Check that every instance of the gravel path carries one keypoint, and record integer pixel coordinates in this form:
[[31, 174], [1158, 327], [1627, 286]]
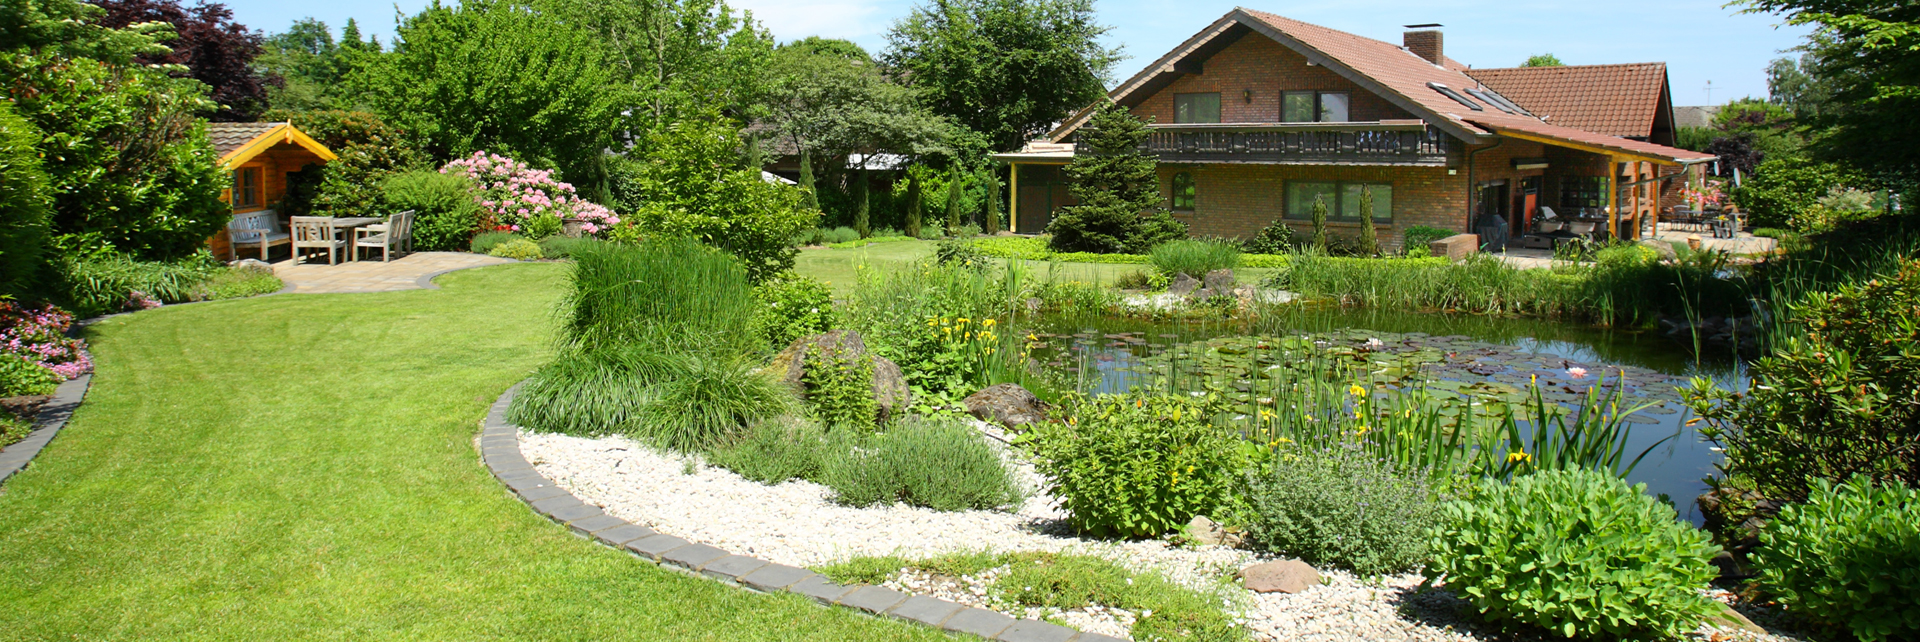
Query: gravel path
[[797, 523]]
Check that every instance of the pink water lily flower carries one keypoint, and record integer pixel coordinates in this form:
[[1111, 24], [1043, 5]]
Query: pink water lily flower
[[1577, 372]]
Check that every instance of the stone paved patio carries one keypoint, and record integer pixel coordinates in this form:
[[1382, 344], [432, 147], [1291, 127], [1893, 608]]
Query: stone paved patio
[[405, 273]]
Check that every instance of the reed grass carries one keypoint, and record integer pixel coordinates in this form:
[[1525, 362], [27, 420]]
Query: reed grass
[[664, 292], [1194, 257]]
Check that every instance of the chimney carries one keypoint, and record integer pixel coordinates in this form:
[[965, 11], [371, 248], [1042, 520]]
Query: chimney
[[1424, 41]]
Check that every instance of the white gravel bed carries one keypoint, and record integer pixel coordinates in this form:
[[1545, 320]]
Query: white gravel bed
[[797, 523]]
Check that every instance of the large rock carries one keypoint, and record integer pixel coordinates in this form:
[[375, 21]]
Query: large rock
[[889, 385], [1285, 576], [1662, 248], [1182, 285], [1007, 404], [1220, 281], [1207, 532]]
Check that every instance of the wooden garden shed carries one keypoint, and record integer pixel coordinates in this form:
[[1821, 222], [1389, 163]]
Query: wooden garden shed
[[260, 155]]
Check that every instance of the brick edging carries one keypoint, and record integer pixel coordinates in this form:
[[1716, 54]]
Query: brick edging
[[52, 417], [500, 448]]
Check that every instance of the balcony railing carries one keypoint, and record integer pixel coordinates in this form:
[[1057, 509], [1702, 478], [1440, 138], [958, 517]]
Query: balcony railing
[[1389, 143]]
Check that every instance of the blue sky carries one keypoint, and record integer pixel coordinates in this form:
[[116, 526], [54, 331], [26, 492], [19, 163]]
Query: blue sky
[[1699, 40]]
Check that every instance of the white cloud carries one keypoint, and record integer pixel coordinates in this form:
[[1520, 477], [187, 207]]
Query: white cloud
[[862, 21]]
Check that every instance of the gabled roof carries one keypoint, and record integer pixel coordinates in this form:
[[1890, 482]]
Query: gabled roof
[[1617, 100], [1386, 69], [238, 143]]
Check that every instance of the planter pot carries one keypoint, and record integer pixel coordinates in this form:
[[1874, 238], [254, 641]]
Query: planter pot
[[570, 227]]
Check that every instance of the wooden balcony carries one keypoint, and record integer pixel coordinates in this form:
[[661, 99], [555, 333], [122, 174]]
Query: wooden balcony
[[1383, 143]]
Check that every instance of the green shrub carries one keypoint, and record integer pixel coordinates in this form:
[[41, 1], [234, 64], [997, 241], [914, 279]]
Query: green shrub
[[943, 464], [1194, 257], [1785, 192], [21, 377], [840, 388], [1275, 238], [25, 203], [672, 293], [13, 429], [517, 249], [445, 218], [694, 184], [237, 282], [1579, 553], [708, 403], [960, 253], [1341, 507], [564, 247], [1850, 557], [484, 242], [877, 238], [1422, 236], [774, 451], [794, 306], [593, 393], [1014, 247], [1834, 402], [1137, 467], [106, 284], [1769, 232], [842, 234], [937, 322]]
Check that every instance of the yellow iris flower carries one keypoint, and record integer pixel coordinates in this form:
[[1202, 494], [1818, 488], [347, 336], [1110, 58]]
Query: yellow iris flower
[[1356, 390]]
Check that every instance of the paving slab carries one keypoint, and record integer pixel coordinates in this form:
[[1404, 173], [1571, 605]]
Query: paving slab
[[652, 547], [1036, 631], [873, 599], [594, 523], [731, 567], [925, 610], [410, 272], [693, 556], [978, 621], [820, 588], [774, 577], [618, 536]]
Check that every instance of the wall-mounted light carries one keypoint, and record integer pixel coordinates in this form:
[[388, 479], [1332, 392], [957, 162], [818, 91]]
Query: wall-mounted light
[[1247, 94]]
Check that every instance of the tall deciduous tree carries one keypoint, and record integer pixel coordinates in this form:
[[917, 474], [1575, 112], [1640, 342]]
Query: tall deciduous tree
[[215, 50], [313, 68], [677, 59], [1869, 53], [1543, 60], [503, 77], [126, 156], [1008, 69], [1119, 191]]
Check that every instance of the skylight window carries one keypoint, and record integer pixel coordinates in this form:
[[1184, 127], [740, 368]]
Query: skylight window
[[1450, 93], [1503, 100], [1488, 100]]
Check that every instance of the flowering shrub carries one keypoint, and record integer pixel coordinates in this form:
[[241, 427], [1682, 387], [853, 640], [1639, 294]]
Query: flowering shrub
[[1137, 467], [40, 337], [796, 306], [513, 196]]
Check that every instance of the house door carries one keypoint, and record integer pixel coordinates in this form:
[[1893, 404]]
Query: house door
[[1493, 202], [1528, 203]]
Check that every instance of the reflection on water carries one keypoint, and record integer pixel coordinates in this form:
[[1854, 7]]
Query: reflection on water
[[1109, 351]]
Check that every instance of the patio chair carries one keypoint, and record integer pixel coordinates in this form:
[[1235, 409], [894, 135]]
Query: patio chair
[[255, 228], [1582, 229], [386, 236], [315, 232]]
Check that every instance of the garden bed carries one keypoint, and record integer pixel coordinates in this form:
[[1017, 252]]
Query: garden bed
[[797, 523]]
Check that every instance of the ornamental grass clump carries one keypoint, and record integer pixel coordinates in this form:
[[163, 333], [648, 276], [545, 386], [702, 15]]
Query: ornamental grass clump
[[938, 463], [1194, 257], [1137, 467], [1848, 557], [1342, 507], [1577, 552], [672, 293]]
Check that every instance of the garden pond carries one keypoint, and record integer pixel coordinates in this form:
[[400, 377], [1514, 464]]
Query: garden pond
[[1447, 355]]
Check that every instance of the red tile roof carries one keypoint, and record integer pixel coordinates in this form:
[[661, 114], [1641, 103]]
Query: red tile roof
[[1397, 75], [1617, 100]]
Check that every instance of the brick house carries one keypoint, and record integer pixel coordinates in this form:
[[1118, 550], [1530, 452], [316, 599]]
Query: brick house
[[1257, 116]]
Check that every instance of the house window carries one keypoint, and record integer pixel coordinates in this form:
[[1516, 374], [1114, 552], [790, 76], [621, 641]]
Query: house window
[[1342, 199], [247, 190], [1196, 108], [1183, 191], [1577, 192], [1314, 106]]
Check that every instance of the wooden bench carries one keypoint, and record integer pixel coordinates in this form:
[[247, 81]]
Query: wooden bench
[[260, 228]]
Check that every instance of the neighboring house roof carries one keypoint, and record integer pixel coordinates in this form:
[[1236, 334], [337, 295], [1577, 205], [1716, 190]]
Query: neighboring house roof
[[1616, 100], [1695, 116], [238, 143], [1387, 69]]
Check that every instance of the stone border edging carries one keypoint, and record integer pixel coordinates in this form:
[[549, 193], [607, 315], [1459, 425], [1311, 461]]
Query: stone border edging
[[51, 418], [500, 448]]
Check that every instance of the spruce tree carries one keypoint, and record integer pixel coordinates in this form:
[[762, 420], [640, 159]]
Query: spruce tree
[[914, 206], [860, 223], [1119, 191], [1369, 238], [953, 199], [1320, 223], [806, 179]]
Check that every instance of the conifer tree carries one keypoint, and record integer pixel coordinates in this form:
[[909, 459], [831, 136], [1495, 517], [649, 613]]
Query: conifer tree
[[806, 179], [914, 206], [953, 199], [859, 189], [1119, 191], [1320, 223], [992, 224], [1369, 238]]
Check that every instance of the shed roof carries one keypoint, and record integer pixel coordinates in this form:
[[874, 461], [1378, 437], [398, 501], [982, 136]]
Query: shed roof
[[238, 143]]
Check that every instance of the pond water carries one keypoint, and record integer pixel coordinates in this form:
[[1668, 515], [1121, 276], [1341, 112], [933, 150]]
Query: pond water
[[1456, 354]]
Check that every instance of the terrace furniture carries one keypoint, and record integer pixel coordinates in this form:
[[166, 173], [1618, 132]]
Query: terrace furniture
[[315, 232], [386, 236], [260, 227], [1726, 226]]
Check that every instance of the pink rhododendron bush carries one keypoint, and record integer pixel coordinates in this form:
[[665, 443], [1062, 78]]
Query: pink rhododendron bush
[[39, 335], [513, 196]]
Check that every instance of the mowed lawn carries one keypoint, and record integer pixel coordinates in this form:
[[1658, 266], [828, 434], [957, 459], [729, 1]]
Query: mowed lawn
[[303, 467], [838, 267]]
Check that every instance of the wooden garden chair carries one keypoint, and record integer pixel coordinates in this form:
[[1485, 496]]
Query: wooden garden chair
[[315, 232]]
